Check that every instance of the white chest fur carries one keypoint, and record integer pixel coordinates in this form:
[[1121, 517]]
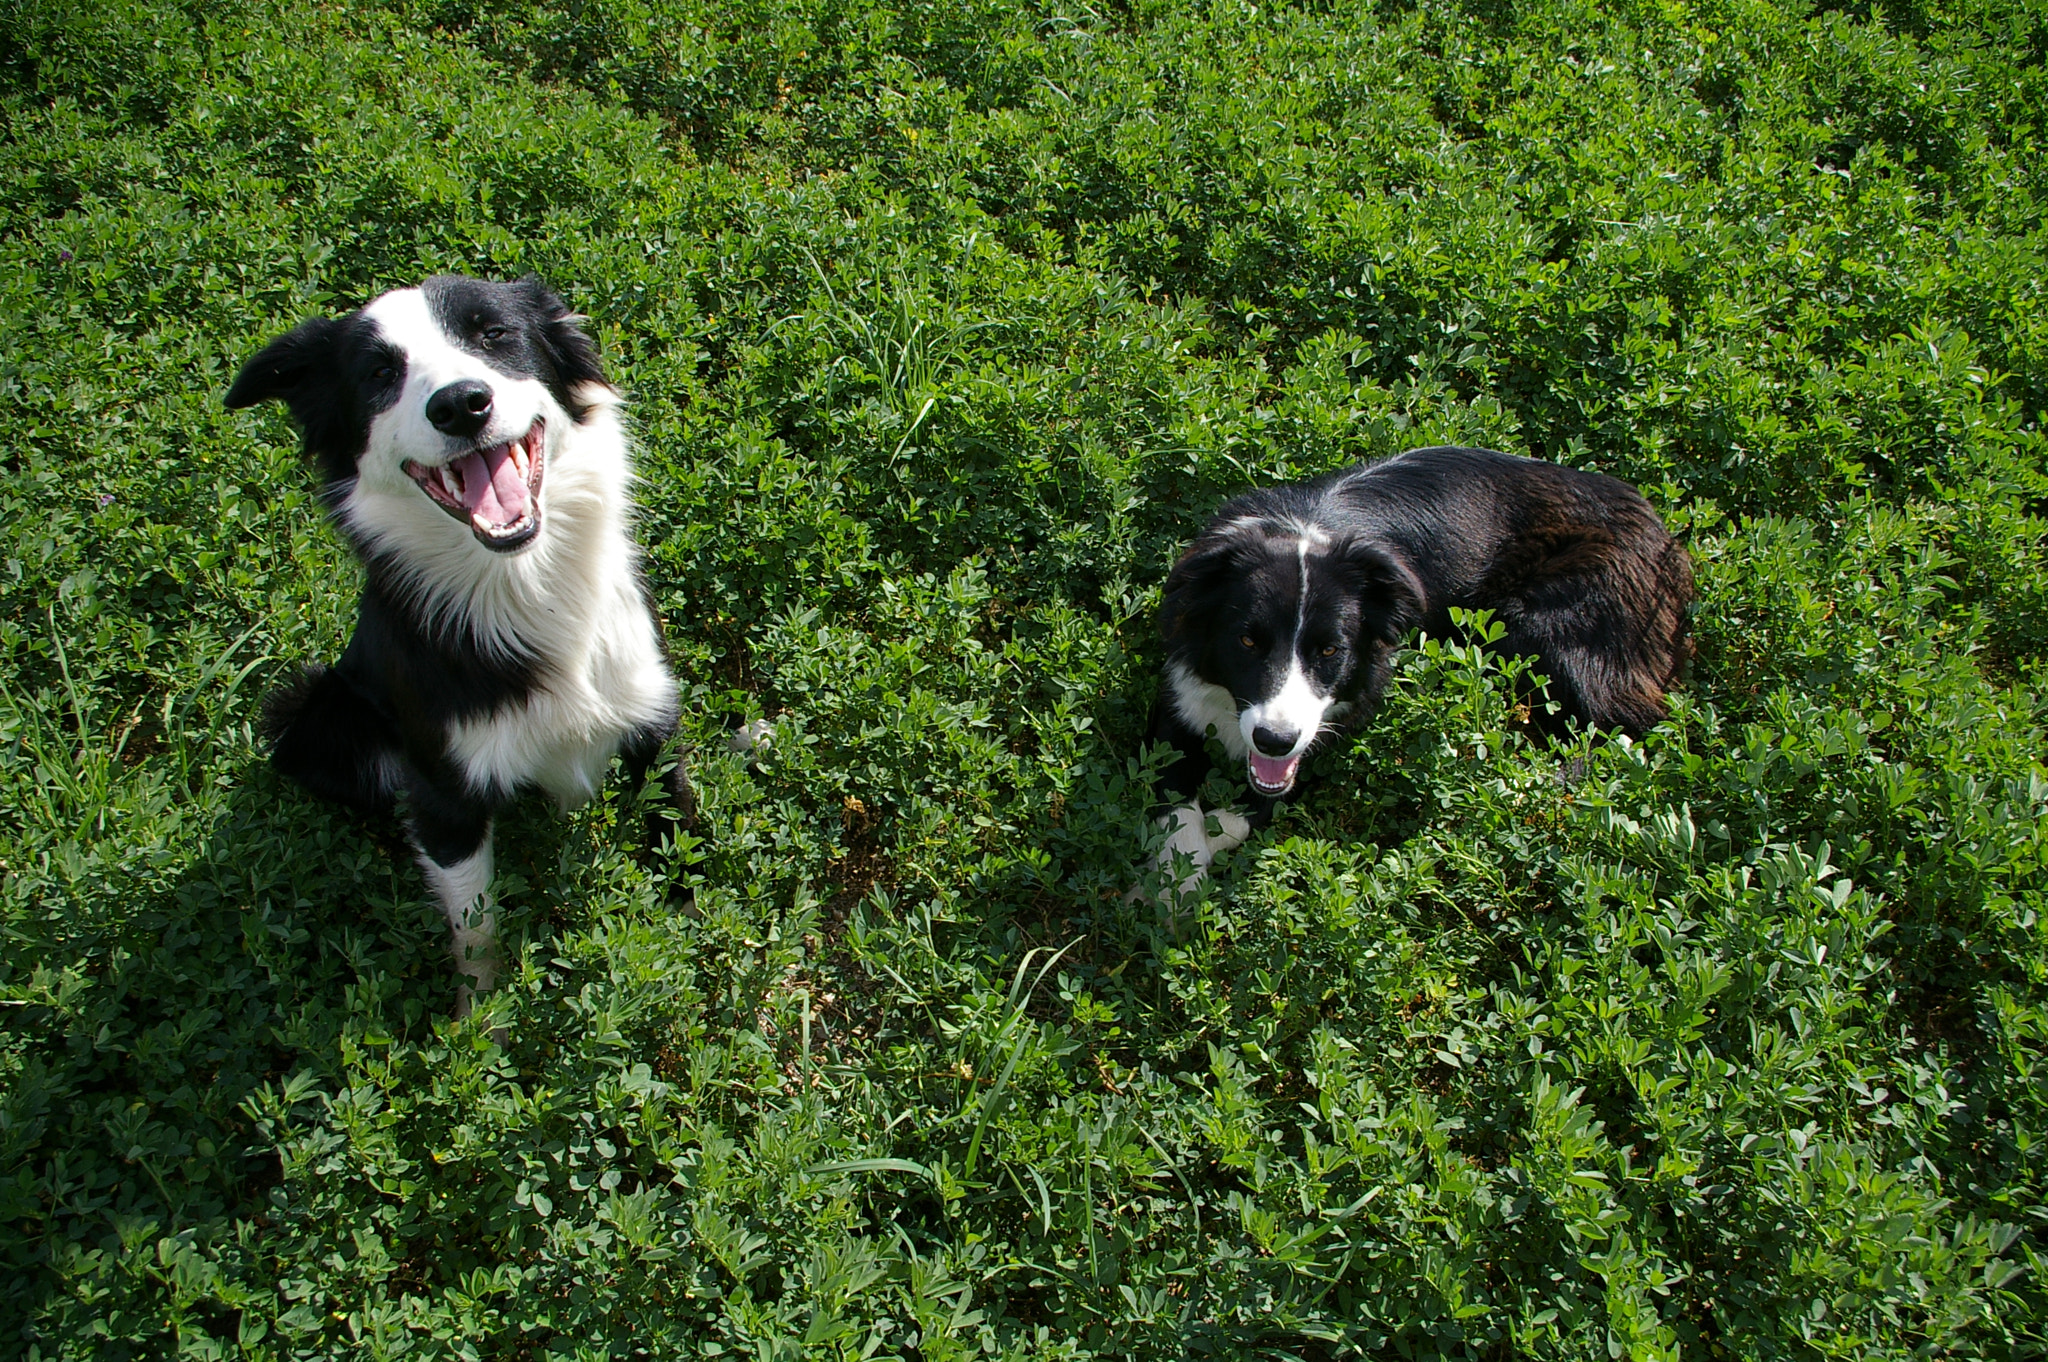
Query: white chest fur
[[564, 734], [1203, 706]]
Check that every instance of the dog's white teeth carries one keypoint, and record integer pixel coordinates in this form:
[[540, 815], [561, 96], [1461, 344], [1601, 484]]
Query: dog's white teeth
[[451, 481], [486, 528]]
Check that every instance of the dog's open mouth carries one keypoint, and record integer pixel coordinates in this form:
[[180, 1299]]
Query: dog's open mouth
[[1273, 776], [494, 491]]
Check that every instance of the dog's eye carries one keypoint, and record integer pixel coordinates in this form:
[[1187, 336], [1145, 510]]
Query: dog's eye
[[383, 373], [493, 334], [1329, 650], [1248, 641]]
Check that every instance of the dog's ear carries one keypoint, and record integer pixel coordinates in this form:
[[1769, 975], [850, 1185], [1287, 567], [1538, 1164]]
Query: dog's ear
[[569, 347], [287, 367], [1204, 568], [1390, 594]]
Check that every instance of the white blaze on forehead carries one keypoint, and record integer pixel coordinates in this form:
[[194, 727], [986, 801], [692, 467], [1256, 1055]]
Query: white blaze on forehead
[[1308, 537], [404, 318], [1296, 707]]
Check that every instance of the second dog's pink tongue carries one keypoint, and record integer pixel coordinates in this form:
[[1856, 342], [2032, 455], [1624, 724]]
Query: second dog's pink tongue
[[1274, 771], [491, 486]]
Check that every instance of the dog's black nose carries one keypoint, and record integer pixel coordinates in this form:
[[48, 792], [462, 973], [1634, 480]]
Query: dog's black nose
[[462, 408], [1272, 742]]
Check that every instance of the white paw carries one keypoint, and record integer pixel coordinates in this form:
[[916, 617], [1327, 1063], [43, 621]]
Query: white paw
[[1231, 830], [755, 736], [1201, 838], [475, 946]]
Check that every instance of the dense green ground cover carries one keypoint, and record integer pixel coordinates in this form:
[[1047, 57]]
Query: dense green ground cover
[[943, 324]]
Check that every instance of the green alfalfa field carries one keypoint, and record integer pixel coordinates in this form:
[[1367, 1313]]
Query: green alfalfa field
[[943, 324]]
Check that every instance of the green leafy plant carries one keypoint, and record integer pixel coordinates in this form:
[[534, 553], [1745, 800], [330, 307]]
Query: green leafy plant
[[942, 327]]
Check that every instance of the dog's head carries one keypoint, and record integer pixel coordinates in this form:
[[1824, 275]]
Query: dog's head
[[434, 411], [1271, 627]]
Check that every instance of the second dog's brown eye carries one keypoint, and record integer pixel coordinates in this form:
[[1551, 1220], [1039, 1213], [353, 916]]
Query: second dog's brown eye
[[1248, 641], [1329, 650]]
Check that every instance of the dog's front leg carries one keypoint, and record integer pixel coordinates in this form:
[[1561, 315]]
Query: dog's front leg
[[1188, 837], [452, 835], [639, 752]]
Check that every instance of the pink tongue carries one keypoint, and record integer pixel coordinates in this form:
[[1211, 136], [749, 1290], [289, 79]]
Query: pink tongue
[[492, 487], [1273, 772]]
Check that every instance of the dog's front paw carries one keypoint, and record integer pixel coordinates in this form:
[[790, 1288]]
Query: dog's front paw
[[754, 737], [1232, 828], [475, 946], [1200, 837], [476, 965]]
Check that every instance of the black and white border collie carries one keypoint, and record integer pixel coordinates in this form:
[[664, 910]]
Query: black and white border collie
[[474, 459], [1281, 621]]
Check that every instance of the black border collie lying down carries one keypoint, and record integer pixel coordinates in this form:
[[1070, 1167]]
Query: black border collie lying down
[[1281, 621], [475, 461]]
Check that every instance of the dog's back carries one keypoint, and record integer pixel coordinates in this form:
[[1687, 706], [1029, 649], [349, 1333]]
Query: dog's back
[[1577, 565]]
